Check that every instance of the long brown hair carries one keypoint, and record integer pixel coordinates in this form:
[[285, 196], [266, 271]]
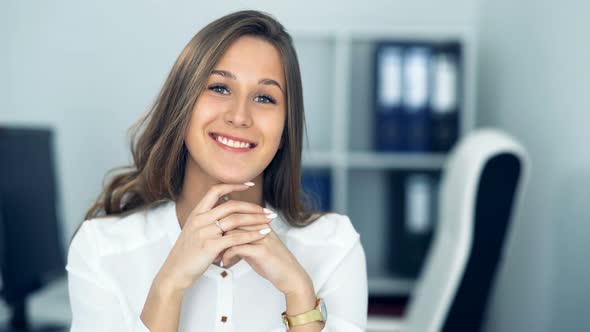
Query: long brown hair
[[157, 140]]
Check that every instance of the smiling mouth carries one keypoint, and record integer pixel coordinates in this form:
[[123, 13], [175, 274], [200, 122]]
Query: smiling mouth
[[228, 143]]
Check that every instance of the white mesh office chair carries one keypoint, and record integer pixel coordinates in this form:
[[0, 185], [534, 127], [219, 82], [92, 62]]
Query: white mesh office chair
[[481, 186]]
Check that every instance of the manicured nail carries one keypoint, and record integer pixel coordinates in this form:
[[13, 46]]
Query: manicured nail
[[268, 211], [249, 184], [271, 216], [264, 231]]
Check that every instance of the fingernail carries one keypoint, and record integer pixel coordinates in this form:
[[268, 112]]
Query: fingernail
[[271, 216], [249, 184], [264, 231], [221, 263], [268, 211]]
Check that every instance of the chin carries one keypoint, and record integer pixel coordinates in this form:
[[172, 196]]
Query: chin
[[234, 178]]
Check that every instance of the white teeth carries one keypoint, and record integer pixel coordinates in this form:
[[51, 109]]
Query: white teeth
[[232, 143]]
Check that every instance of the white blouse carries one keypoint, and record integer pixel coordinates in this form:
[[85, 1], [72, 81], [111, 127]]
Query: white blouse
[[112, 262]]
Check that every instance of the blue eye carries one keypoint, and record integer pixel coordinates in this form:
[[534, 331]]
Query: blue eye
[[269, 98], [219, 89]]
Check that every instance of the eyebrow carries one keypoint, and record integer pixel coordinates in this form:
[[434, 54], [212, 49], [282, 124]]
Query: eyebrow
[[266, 81]]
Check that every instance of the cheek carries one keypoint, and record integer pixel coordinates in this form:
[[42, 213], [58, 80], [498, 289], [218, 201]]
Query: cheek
[[275, 132], [274, 128], [205, 107], [202, 112]]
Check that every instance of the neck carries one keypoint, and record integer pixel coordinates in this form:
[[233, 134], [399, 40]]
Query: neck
[[197, 183]]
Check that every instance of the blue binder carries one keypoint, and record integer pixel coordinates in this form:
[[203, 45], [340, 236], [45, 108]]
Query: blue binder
[[317, 184], [389, 130], [415, 98]]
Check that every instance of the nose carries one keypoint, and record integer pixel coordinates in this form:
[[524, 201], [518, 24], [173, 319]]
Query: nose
[[238, 115]]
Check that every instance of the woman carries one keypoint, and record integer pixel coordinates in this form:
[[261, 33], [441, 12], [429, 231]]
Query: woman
[[186, 239]]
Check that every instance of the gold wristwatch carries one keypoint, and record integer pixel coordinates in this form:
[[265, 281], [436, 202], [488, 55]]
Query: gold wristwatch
[[319, 313]]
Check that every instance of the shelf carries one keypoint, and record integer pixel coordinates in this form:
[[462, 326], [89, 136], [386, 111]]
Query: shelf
[[398, 31], [374, 160], [337, 66], [391, 286], [384, 323], [318, 159], [395, 160]]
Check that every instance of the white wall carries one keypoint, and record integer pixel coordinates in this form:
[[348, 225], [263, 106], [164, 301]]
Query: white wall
[[534, 79]]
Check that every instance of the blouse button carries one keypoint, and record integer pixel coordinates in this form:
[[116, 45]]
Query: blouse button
[[224, 274], [224, 319]]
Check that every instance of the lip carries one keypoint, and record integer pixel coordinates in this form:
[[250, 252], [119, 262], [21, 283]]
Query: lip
[[229, 148]]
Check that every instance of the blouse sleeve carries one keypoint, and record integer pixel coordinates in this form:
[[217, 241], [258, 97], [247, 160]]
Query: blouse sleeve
[[346, 294], [95, 305]]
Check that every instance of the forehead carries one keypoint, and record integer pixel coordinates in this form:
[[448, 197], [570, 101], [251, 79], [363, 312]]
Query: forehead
[[250, 57]]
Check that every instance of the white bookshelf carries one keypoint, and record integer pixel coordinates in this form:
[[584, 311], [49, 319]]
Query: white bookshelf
[[336, 66]]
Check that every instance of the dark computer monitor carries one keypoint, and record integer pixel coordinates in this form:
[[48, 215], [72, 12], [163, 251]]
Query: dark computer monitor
[[31, 251]]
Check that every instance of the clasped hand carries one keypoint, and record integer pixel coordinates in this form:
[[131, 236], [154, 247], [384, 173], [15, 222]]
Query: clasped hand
[[201, 242]]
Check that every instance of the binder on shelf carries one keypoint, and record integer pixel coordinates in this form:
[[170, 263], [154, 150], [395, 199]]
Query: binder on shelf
[[415, 94], [414, 217], [389, 135], [317, 184], [445, 97], [418, 218]]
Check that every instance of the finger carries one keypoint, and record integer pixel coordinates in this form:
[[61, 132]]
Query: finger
[[245, 219], [232, 207], [245, 229], [214, 194], [241, 251], [210, 231], [231, 240]]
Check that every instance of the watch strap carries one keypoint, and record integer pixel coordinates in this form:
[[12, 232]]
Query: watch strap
[[304, 318]]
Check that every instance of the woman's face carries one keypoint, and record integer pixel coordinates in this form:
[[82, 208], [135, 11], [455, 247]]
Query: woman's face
[[244, 99]]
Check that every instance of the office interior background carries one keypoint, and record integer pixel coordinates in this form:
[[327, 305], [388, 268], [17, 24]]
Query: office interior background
[[91, 69]]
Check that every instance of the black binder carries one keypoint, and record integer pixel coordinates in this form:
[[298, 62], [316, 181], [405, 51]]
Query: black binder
[[414, 215], [446, 96]]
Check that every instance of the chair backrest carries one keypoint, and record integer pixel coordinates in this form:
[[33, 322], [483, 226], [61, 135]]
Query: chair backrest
[[481, 182]]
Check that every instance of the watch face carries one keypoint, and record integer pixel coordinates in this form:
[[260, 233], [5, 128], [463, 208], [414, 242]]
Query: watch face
[[323, 309]]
